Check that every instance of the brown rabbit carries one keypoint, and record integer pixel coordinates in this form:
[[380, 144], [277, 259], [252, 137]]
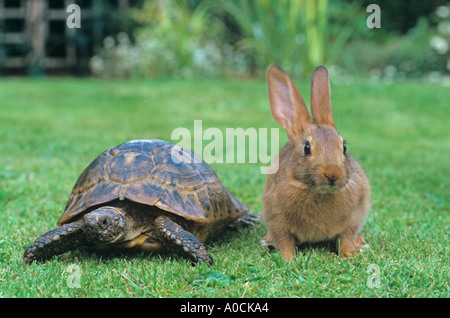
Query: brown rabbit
[[319, 192]]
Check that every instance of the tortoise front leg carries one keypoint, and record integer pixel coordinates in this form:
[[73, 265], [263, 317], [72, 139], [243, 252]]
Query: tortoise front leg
[[171, 234], [54, 242]]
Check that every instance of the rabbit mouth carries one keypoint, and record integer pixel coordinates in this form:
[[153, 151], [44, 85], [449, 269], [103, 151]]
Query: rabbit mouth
[[330, 179], [329, 189], [329, 186]]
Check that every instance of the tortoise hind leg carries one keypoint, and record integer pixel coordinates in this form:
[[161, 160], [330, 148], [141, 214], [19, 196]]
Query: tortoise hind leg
[[54, 242], [248, 219], [173, 235]]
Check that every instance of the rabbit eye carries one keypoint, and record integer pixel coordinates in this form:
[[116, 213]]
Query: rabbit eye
[[307, 148], [345, 148]]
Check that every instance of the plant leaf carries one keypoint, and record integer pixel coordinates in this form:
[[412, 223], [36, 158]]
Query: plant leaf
[[212, 278]]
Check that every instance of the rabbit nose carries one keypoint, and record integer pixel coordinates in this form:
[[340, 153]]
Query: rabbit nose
[[331, 179], [332, 173]]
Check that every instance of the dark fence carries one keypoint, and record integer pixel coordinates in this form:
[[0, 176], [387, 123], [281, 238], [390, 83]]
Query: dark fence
[[53, 36]]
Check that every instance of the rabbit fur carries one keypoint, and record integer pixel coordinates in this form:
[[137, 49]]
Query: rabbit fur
[[319, 192]]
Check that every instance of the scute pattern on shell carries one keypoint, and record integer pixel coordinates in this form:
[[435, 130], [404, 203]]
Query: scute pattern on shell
[[152, 172]]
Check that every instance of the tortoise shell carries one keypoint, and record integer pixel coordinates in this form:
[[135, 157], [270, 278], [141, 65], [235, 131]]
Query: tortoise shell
[[153, 172]]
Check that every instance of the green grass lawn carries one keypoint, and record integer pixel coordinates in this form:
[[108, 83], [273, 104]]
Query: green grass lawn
[[51, 129]]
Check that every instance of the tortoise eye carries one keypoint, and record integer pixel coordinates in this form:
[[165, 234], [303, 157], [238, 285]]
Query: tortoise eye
[[307, 148]]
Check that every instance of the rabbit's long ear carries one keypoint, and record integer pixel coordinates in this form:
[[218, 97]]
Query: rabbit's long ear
[[286, 104], [321, 97]]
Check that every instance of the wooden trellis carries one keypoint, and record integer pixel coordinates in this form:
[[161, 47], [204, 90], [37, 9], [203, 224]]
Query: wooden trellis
[[34, 34]]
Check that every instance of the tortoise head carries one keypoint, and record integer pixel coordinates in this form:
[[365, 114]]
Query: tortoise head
[[105, 225]]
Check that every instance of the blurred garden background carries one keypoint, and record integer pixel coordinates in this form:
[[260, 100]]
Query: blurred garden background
[[220, 38], [139, 69]]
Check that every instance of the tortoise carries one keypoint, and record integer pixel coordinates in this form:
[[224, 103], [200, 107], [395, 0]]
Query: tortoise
[[148, 195]]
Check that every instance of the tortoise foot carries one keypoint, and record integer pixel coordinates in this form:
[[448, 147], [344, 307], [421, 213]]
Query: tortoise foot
[[175, 237], [54, 242], [248, 219]]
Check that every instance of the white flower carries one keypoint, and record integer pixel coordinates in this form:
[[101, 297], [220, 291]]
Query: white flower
[[109, 42], [390, 70], [442, 11], [123, 38], [439, 44], [96, 64]]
